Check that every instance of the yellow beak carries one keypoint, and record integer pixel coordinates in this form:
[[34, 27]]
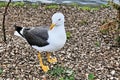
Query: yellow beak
[[52, 26]]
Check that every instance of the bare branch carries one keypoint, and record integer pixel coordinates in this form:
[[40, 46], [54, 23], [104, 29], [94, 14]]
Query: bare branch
[[3, 23]]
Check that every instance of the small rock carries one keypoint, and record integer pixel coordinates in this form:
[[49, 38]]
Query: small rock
[[97, 79], [112, 72]]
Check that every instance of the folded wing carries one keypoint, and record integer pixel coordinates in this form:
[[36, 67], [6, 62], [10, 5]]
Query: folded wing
[[36, 36]]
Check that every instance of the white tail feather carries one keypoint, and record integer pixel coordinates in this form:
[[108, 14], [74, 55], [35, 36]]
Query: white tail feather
[[17, 34]]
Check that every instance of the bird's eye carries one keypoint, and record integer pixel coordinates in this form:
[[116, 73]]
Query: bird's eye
[[59, 19]]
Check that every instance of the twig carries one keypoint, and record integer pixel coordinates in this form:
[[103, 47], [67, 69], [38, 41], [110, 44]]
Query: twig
[[118, 12], [3, 23]]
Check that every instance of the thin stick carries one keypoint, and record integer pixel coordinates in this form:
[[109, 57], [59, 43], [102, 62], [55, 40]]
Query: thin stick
[[3, 23], [118, 12]]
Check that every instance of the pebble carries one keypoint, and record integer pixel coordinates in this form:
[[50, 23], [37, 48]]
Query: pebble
[[112, 72]]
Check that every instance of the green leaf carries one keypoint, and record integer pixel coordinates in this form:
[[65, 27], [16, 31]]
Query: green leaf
[[61, 78], [68, 35], [21, 4], [105, 6], [72, 78], [117, 39], [56, 71], [34, 5], [1, 71], [62, 72], [97, 43], [104, 31], [69, 72], [83, 22], [2, 4], [52, 6], [91, 76]]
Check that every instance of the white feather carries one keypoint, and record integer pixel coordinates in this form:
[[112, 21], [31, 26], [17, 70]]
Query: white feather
[[17, 34]]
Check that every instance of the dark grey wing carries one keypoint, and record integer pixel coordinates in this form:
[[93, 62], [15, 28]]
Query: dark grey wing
[[40, 32], [36, 36]]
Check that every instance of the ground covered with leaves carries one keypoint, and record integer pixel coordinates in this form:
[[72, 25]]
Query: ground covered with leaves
[[87, 55]]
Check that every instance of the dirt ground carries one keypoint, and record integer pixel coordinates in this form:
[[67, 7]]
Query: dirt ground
[[86, 51]]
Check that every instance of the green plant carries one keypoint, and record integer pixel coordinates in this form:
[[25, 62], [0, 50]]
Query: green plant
[[68, 75], [61, 78], [68, 35], [91, 76], [1, 71], [104, 6], [34, 5], [67, 78], [74, 4], [85, 8], [104, 31], [117, 39], [52, 6], [62, 73], [83, 22], [95, 9], [88, 8], [56, 71], [2, 4], [97, 43], [16, 78], [20, 4]]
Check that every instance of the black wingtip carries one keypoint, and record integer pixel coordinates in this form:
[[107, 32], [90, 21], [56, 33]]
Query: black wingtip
[[17, 28]]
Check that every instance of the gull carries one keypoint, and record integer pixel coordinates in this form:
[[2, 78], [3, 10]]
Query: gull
[[48, 39]]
